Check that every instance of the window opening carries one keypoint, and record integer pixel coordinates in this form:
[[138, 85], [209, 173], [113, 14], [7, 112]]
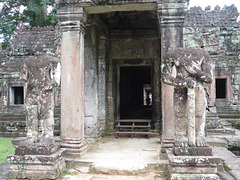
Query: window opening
[[17, 95]]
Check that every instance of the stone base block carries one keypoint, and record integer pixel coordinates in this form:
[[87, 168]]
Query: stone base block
[[192, 151], [36, 149], [37, 166], [194, 177], [166, 144], [74, 149], [193, 167]]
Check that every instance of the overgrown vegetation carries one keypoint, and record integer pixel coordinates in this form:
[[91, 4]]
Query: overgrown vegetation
[[31, 12], [6, 148]]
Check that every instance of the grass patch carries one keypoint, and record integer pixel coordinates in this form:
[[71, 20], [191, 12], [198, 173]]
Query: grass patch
[[6, 148]]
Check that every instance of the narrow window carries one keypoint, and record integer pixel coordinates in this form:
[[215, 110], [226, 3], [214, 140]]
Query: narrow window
[[17, 95], [221, 88], [147, 95]]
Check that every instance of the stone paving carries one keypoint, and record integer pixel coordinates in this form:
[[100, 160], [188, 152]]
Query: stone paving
[[137, 159], [122, 158]]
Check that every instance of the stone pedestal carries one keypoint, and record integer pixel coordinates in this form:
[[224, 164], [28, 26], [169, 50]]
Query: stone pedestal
[[193, 167], [46, 163]]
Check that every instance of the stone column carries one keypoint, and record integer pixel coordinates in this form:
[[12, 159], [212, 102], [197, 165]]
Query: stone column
[[91, 84], [102, 82], [72, 21], [171, 19]]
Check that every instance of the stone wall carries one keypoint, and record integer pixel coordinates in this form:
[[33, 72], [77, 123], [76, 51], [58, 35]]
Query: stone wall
[[39, 40], [218, 32]]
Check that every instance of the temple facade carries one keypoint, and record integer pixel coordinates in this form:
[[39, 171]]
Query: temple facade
[[111, 57]]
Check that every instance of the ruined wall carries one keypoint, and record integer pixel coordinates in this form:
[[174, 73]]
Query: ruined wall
[[94, 87], [215, 31], [218, 32], [39, 40]]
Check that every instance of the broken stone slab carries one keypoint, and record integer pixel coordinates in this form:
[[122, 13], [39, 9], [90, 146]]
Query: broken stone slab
[[192, 151], [37, 166]]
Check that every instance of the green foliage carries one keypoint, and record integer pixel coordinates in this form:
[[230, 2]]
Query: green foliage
[[32, 12], [6, 148]]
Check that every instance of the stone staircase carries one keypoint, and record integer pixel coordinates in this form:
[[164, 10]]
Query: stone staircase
[[228, 113], [14, 125]]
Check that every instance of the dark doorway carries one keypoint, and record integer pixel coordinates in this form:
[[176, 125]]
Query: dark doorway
[[221, 88], [135, 92]]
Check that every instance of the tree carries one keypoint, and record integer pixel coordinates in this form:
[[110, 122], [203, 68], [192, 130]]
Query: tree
[[31, 12]]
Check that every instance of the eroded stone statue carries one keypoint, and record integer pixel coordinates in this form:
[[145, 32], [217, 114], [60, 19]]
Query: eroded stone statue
[[188, 70], [41, 74]]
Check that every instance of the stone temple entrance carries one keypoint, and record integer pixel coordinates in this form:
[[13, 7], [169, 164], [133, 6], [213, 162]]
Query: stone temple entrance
[[135, 92]]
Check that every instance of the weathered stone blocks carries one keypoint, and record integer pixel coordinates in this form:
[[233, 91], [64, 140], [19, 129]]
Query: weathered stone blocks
[[193, 167], [37, 166], [192, 151]]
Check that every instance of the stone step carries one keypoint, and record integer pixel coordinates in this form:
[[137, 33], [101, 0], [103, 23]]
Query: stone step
[[82, 166], [229, 116]]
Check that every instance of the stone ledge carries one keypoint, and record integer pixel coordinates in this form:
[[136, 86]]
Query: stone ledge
[[36, 159], [192, 151], [176, 176], [193, 160], [36, 149]]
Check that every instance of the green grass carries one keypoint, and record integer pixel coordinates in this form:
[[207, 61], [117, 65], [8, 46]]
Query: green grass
[[6, 148]]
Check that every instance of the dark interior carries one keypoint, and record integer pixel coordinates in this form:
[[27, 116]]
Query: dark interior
[[221, 88], [133, 20], [132, 80], [18, 95]]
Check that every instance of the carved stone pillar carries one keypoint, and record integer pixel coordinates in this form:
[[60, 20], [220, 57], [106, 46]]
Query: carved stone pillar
[[72, 21], [171, 17]]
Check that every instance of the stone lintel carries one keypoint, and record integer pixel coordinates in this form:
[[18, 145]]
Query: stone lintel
[[130, 6], [192, 151]]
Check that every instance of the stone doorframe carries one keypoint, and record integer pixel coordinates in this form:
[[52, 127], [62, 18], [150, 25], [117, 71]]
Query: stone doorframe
[[72, 18], [137, 63]]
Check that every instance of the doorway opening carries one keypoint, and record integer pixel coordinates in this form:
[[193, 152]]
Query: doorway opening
[[221, 88], [135, 92]]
